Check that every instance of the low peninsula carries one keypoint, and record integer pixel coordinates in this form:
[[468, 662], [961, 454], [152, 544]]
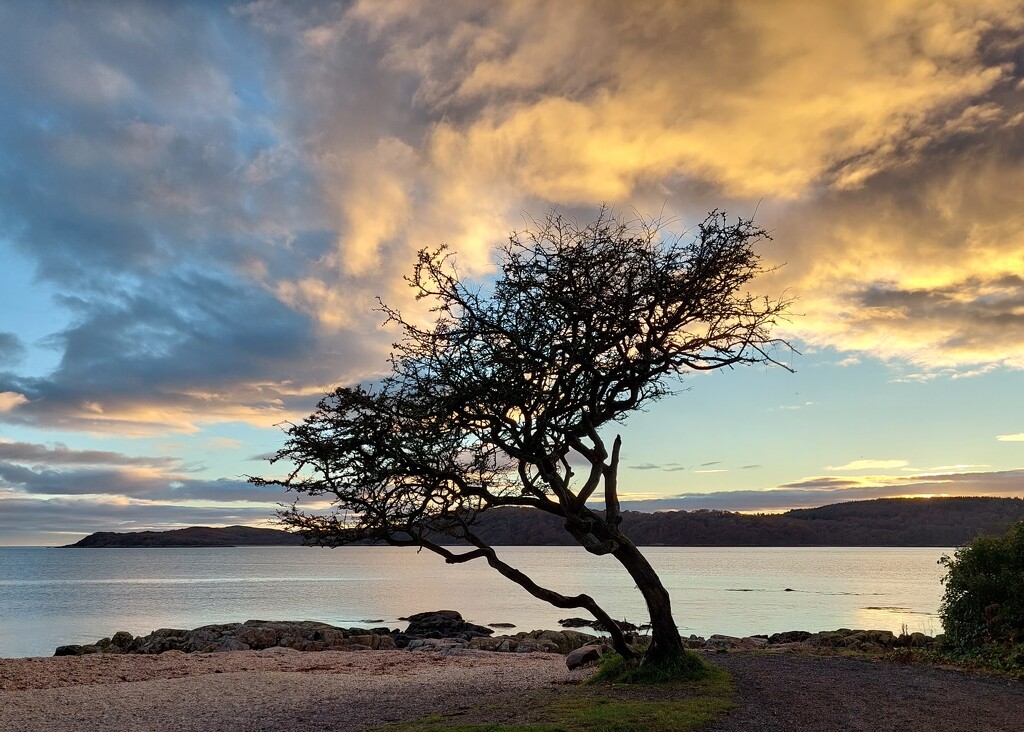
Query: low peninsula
[[194, 536]]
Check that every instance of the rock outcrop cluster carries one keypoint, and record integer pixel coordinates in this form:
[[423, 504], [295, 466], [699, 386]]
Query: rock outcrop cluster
[[251, 635], [868, 641], [443, 630]]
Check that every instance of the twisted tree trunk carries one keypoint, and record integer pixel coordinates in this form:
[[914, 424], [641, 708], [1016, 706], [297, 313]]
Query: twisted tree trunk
[[666, 643]]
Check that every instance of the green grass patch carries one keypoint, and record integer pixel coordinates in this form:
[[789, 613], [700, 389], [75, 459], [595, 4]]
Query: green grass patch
[[672, 706]]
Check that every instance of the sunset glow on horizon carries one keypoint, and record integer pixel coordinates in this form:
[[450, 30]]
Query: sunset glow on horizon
[[201, 202]]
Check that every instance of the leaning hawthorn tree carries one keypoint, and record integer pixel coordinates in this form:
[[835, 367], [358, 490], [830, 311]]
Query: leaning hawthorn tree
[[513, 387]]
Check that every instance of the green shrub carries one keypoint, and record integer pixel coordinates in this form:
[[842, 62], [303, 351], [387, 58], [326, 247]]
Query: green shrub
[[984, 596]]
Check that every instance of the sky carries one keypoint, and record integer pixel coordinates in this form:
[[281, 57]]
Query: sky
[[200, 202]]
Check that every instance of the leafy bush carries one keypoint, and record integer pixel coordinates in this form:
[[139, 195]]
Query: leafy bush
[[984, 597]]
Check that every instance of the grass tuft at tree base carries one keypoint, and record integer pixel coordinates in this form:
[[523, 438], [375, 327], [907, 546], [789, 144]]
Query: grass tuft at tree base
[[617, 670]]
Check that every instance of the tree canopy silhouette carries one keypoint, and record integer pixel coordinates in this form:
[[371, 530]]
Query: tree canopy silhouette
[[506, 397]]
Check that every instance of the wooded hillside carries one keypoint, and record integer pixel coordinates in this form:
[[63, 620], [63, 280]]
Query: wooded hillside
[[881, 522]]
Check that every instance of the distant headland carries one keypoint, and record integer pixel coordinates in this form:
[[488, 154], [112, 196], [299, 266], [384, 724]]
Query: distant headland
[[193, 536], [942, 522]]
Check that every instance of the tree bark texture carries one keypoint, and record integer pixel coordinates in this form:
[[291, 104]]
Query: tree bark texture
[[666, 643]]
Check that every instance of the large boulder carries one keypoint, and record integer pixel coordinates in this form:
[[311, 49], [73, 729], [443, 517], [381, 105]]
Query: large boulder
[[443, 646], [444, 624], [694, 641], [725, 643], [164, 639], [565, 641], [584, 655], [371, 641], [535, 641], [914, 640], [76, 650]]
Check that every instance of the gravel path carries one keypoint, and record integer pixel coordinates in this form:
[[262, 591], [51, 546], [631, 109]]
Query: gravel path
[[785, 692]]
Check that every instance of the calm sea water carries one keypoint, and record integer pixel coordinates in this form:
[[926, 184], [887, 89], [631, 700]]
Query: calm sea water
[[49, 597]]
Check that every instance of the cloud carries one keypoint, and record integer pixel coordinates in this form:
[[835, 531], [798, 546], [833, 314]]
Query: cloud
[[187, 350], [870, 465], [739, 98], [820, 491], [132, 482], [34, 470], [939, 469], [828, 483], [11, 349], [950, 298], [795, 407], [1017, 437], [161, 210], [26, 452], [667, 467], [703, 468], [498, 108], [215, 197], [10, 400]]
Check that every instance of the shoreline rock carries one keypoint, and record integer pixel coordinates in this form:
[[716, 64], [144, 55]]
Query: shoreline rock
[[445, 631], [442, 631], [844, 638]]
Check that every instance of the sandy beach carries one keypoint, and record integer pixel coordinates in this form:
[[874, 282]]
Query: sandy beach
[[260, 690], [285, 690]]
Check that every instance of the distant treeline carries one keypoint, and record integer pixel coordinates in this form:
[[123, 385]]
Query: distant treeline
[[881, 522]]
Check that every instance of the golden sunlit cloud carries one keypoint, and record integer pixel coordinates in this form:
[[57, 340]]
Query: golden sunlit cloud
[[1018, 437], [10, 400], [185, 414], [830, 112]]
